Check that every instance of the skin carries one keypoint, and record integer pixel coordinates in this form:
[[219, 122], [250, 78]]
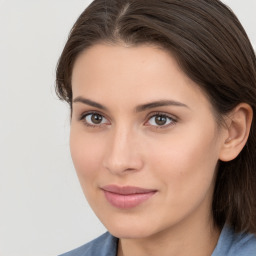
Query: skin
[[128, 148]]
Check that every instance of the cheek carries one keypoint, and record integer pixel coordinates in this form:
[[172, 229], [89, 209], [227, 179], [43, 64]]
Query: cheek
[[185, 164], [87, 153]]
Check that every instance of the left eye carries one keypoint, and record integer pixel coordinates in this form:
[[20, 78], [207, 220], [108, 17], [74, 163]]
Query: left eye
[[95, 119], [160, 120]]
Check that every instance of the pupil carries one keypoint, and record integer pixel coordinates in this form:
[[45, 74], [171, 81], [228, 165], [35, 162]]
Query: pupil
[[161, 120], [96, 119]]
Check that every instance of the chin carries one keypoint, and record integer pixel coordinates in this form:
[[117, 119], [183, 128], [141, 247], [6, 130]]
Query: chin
[[130, 230], [129, 233]]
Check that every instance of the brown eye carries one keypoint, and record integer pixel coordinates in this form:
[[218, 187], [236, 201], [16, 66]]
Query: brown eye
[[95, 119], [160, 120]]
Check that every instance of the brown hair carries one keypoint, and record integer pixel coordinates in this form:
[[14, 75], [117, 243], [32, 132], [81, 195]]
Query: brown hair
[[212, 48]]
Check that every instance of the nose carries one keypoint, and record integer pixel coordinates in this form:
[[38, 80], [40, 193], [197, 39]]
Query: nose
[[124, 153]]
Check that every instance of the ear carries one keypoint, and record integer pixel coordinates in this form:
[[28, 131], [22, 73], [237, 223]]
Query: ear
[[238, 129]]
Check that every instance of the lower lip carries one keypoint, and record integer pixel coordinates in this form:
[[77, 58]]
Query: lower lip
[[127, 201]]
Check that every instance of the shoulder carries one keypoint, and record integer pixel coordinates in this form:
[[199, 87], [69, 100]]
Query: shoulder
[[235, 244], [104, 245]]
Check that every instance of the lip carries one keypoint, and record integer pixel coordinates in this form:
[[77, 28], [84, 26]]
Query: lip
[[128, 196]]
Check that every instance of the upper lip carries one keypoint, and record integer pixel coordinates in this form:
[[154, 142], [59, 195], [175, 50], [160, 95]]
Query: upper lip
[[126, 190]]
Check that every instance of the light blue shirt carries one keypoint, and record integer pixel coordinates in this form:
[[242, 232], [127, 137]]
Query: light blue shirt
[[229, 244], [235, 244]]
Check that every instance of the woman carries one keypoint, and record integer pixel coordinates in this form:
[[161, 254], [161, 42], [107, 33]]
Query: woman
[[162, 95]]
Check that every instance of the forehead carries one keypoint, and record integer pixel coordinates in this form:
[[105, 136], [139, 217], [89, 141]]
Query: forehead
[[143, 73]]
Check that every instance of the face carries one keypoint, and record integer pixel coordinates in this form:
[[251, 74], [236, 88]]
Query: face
[[144, 140]]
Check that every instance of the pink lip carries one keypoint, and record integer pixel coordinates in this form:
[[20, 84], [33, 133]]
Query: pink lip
[[126, 197]]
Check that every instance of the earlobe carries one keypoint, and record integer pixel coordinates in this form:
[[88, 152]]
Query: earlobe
[[239, 124]]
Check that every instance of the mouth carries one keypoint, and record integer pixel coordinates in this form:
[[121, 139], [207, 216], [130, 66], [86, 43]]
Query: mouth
[[128, 196]]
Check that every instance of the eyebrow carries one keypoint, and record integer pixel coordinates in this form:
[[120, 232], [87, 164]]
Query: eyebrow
[[89, 102], [140, 108], [160, 103]]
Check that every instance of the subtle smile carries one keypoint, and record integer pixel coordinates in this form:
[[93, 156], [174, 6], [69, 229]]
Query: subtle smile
[[126, 197]]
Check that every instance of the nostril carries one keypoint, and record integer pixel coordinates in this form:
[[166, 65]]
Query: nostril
[[128, 163]]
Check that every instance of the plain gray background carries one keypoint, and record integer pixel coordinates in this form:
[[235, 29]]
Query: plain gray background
[[42, 209]]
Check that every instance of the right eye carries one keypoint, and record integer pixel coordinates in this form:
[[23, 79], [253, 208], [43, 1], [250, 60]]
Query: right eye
[[94, 119]]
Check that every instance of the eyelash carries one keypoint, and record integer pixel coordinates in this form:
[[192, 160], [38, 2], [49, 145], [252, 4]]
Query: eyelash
[[83, 119], [172, 120]]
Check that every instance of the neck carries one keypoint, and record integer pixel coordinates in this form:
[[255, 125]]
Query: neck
[[199, 238]]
